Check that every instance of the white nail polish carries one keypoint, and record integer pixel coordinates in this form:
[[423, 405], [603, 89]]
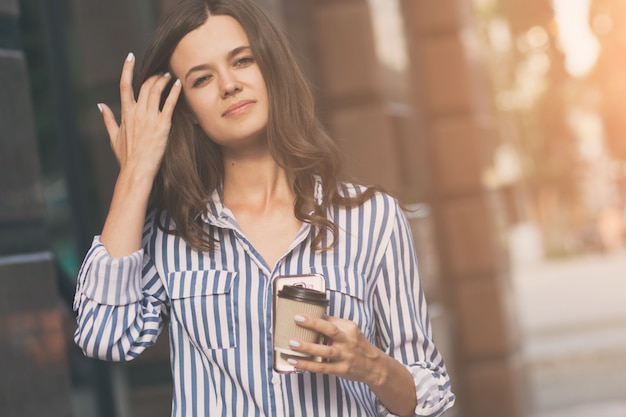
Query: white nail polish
[[291, 361], [177, 82], [298, 318], [130, 56], [167, 74], [294, 343], [100, 107]]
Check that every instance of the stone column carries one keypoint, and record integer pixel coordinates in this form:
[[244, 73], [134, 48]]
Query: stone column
[[34, 371], [449, 88], [351, 98]]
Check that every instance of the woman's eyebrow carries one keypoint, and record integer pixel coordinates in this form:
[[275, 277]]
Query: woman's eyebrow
[[238, 50], [230, 55]]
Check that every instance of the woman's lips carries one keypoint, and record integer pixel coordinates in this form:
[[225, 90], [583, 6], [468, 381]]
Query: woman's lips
[[238, 108]]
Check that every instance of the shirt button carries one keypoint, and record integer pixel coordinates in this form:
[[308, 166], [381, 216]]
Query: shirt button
[[275, 380]]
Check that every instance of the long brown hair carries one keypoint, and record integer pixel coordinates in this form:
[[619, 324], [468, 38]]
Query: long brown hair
[[192, 164]]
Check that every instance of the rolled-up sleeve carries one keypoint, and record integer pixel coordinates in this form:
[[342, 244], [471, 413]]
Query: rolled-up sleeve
[[120, 304], [404, 327]]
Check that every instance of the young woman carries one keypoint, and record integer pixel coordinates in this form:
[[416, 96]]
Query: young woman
[[241, 185]]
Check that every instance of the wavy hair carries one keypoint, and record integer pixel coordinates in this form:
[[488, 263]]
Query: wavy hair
[[192, 165]]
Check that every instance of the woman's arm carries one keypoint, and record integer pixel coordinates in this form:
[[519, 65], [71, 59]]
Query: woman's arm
[[119, 297], [120, 303], [139, 143], [406, 372]]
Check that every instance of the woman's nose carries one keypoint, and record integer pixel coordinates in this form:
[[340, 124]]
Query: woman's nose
[[230, 85]]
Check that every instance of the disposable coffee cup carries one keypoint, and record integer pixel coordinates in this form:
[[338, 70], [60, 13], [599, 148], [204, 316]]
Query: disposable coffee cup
[[290, 301]]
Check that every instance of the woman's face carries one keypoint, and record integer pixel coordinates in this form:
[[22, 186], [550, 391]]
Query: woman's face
[[222, 82]]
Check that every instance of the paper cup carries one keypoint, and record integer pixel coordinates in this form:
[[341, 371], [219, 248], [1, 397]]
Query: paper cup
[[290, 301]]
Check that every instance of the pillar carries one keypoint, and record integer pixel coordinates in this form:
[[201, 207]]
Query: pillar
[[351, 98], [449, 89]]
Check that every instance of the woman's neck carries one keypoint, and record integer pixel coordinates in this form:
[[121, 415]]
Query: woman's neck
[[255, 182]]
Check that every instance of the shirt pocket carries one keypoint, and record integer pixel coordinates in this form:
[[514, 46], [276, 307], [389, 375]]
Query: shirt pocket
[[202, 302], [347, 296]]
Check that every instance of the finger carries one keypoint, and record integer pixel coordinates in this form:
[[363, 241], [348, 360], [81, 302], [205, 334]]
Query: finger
[[308, 365], [146, 92], [323, 326], [316, 349], [156, 92], [127, 95], [172, 99], [109, 121]]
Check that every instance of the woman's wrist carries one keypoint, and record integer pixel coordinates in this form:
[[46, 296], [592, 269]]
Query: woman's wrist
[[393, 385], [379, 370]]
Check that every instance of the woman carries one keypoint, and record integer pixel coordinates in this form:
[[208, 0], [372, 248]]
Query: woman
[[240, 184]]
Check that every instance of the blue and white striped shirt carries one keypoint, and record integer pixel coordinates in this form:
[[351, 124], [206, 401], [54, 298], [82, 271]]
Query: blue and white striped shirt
[[219, 310]]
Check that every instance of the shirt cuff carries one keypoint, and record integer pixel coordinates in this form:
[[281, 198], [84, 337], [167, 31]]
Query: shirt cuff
[[434, 396], [110, 281]]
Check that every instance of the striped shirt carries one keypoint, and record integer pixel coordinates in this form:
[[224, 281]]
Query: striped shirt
[[218, 307]]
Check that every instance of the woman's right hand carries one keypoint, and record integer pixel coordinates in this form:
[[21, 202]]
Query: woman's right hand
[[139, 141]]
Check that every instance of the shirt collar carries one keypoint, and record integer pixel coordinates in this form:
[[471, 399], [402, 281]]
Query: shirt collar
[[217, 213]]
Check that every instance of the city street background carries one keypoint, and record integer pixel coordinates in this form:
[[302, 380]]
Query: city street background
[[573, 316]]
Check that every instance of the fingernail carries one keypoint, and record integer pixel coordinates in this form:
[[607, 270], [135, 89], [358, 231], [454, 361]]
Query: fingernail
[[130, 56], [294, 343], [100, 107], [177, 82], [292, 361], [299, 318], [167, 74]]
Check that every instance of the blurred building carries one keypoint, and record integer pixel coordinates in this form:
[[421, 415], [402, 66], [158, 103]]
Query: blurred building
[[35, 373], [401, 84]]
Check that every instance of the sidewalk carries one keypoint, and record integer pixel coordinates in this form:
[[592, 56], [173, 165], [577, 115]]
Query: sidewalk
[[573, 318]]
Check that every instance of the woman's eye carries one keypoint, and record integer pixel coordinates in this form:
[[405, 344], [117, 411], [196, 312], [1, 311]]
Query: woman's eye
[[244, 61], [201, 81]]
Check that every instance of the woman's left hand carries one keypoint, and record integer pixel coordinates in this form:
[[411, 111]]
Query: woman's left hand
[[350, 355], [347, 354]]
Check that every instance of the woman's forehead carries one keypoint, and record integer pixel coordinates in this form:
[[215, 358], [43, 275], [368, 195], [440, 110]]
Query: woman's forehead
[[215, 39]]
